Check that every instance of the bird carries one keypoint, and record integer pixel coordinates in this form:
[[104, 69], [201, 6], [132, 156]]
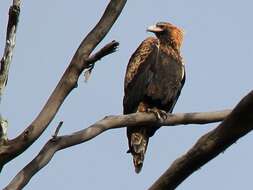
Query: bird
[[153, 81]]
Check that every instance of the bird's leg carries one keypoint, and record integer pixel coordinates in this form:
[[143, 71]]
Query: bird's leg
[[143, 107], [160, 114]]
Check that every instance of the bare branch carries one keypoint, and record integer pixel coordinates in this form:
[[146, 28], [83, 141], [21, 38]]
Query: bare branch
[[67, 83], [210, 145], [9, 44], [109, 122], [5, 62], [106, 50], [57, 129], [24, 176]]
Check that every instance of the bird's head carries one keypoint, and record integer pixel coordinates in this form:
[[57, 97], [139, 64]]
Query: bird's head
[[167, 33]]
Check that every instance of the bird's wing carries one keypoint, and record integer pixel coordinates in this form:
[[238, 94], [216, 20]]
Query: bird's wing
[[138, 73], [139, 58], [179, 91]]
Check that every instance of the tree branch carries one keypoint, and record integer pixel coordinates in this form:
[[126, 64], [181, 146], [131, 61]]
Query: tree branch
[[109, 122], [210, 145], [106, 50], [57, 130], [5, 62], [9, 44], [67, 83]]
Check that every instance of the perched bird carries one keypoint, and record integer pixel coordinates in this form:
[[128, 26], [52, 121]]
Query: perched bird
[[154, 78]]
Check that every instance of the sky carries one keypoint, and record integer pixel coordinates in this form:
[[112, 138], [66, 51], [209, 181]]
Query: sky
[[218, 54]]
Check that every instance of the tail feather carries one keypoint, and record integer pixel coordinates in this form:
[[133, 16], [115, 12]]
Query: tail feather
[[139, 143]]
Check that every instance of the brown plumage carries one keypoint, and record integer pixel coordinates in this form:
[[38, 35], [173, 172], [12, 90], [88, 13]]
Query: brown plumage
[[154, 78]]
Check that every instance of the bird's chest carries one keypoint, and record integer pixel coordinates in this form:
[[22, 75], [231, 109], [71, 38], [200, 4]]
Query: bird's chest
[[167, 70], [166, 79]]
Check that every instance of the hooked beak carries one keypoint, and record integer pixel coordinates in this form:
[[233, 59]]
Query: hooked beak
[[154, 29]]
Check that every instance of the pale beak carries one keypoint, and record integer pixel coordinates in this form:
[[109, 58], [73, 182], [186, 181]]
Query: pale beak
[[154, 29]]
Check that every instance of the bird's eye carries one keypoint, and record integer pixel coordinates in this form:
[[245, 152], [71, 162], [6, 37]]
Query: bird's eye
[[160, 26]]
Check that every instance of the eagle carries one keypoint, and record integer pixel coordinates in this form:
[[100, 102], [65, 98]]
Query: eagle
[[154, 78]]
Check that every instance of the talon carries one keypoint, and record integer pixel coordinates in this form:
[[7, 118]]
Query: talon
[[155, 112], [160, 114], [163, 114]]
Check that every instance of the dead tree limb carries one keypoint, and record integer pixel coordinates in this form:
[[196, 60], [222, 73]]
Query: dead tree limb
[[210, 145], [106, 50], [109, 122], [5, 61], [12, 148], [10, 43]]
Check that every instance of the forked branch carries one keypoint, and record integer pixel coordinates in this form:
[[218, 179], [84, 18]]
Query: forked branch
[[109, 122], [12, 148]]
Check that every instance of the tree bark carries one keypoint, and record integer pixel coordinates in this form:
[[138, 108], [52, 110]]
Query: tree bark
[[5, 61], [210, 145], [10, 43], [110, 122]]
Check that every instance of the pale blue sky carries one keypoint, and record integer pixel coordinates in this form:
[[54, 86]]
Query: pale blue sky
[[218, 54]]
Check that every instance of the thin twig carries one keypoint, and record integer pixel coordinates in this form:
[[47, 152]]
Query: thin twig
[[57, 130]]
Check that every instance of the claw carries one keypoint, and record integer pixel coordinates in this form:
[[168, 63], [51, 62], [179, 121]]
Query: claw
[[160, 114]]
